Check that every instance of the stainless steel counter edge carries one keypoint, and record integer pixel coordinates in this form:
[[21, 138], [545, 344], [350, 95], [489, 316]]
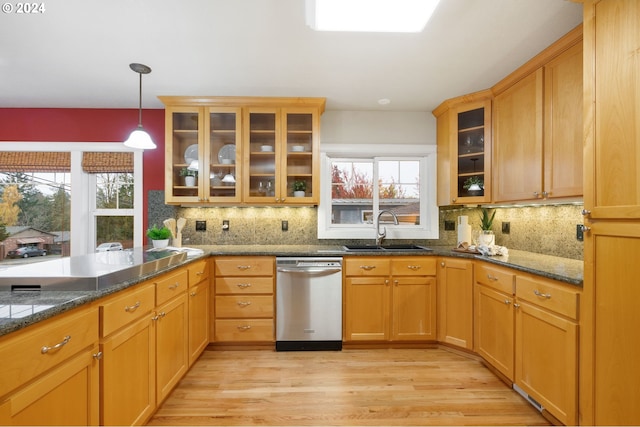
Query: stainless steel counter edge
[[52, 303]]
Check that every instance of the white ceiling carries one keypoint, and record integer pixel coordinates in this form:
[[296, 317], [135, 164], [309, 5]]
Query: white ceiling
[[77, 53]]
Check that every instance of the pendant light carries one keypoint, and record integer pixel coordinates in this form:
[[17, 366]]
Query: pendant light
[[139, 138]]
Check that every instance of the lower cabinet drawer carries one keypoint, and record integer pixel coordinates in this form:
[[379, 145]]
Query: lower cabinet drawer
[[27, 354], [245, 306], [244, 330]]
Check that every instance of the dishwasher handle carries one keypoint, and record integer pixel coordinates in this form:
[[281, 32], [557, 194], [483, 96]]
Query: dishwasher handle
[[310, 270]]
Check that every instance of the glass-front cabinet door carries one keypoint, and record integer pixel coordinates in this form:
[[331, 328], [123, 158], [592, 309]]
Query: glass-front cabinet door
[[223, 151], [471, 149], [201, 144], [183, 149], [300, 147], [262, 151]]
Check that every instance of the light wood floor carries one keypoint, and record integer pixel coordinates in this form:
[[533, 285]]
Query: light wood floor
[[351, 387]]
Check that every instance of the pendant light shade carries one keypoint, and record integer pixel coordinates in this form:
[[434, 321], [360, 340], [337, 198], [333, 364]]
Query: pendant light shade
[[139, 138]]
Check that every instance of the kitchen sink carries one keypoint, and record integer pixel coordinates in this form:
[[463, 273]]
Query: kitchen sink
[[384, 248]]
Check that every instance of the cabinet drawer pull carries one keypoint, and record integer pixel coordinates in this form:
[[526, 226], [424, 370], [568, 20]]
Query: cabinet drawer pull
[[541, 295], [244, 303], [131, 308], [414, 267], [243, 285], [244, 327], [174, 286], [199, 273], [243, 267], [64, 342], [490, 277], [367, 267]]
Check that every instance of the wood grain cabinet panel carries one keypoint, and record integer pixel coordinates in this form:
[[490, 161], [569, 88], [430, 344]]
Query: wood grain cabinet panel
[[455, 302]]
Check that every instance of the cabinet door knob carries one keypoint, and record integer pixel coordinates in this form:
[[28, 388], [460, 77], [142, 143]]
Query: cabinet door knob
[[395, 282], [586, 212], [98, 355], [507, 302], [516, 305], [442, 264], [586, 229]]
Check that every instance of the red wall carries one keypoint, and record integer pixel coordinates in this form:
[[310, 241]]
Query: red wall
[[89, 125]]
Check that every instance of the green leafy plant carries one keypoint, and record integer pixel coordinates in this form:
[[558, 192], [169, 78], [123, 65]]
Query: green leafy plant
[[472, 180], [188, 172], [486, 220], [299, 186], [158, 233]]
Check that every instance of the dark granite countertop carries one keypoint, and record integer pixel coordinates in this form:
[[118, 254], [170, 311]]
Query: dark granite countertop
[[19, 309]]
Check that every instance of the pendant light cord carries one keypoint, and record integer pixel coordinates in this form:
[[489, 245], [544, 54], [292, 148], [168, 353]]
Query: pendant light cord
[[140, 103]]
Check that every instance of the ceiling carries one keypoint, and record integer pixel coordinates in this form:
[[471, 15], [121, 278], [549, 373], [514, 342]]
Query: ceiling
[[77, 53]]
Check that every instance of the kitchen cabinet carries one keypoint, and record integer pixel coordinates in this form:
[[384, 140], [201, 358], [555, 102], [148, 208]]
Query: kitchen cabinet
[[281, 149], [128, 344], [546, 345], [494, 317], [464, 149], [51, 372], [172, 329], [518, 116], [538, 126], [198, 308], [244, 299], [211, 138], [389, 299], [249, 150], [609, 348], [455, 302]]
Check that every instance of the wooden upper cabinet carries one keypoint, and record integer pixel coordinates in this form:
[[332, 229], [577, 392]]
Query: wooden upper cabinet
[[247, 150], [464, 149], [563, 123], [517, 119], [612, 110]]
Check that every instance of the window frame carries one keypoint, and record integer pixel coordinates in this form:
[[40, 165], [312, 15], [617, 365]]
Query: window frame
[[83, 214], [425, 154]]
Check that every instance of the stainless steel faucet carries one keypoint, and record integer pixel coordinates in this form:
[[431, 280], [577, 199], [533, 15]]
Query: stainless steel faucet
[[380, 236]]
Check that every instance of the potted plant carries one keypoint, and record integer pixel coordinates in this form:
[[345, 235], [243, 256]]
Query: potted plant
[[486, 237], [190, 176], [159, 236], [299, 188], [474, 184]]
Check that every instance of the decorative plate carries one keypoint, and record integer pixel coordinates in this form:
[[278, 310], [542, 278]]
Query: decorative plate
[[191, 153], [227, 152]]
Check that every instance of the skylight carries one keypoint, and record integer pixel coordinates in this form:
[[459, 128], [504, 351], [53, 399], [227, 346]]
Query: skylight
[[398, 16]]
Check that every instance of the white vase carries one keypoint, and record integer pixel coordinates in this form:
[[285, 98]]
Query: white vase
[[160, 243], [486, 238], [190, 181], [298, 194]]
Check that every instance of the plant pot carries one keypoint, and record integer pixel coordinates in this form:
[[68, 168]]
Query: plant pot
[[160, 243], [298, 194], [190, 181], [486, 238]]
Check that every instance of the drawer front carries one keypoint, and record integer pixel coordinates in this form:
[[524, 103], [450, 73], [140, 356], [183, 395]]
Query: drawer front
[[244, 306], [121, 310], [198, 271], [245, 266], [244, 285], [244, 330], [551, 296], [497, 278], [171, 285], [367, 266], [413, 266], [27, 354]]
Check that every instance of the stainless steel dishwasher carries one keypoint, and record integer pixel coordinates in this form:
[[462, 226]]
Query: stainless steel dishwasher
[[308, 303]]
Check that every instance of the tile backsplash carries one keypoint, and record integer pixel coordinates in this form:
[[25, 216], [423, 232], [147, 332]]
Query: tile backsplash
[[543, 229]]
